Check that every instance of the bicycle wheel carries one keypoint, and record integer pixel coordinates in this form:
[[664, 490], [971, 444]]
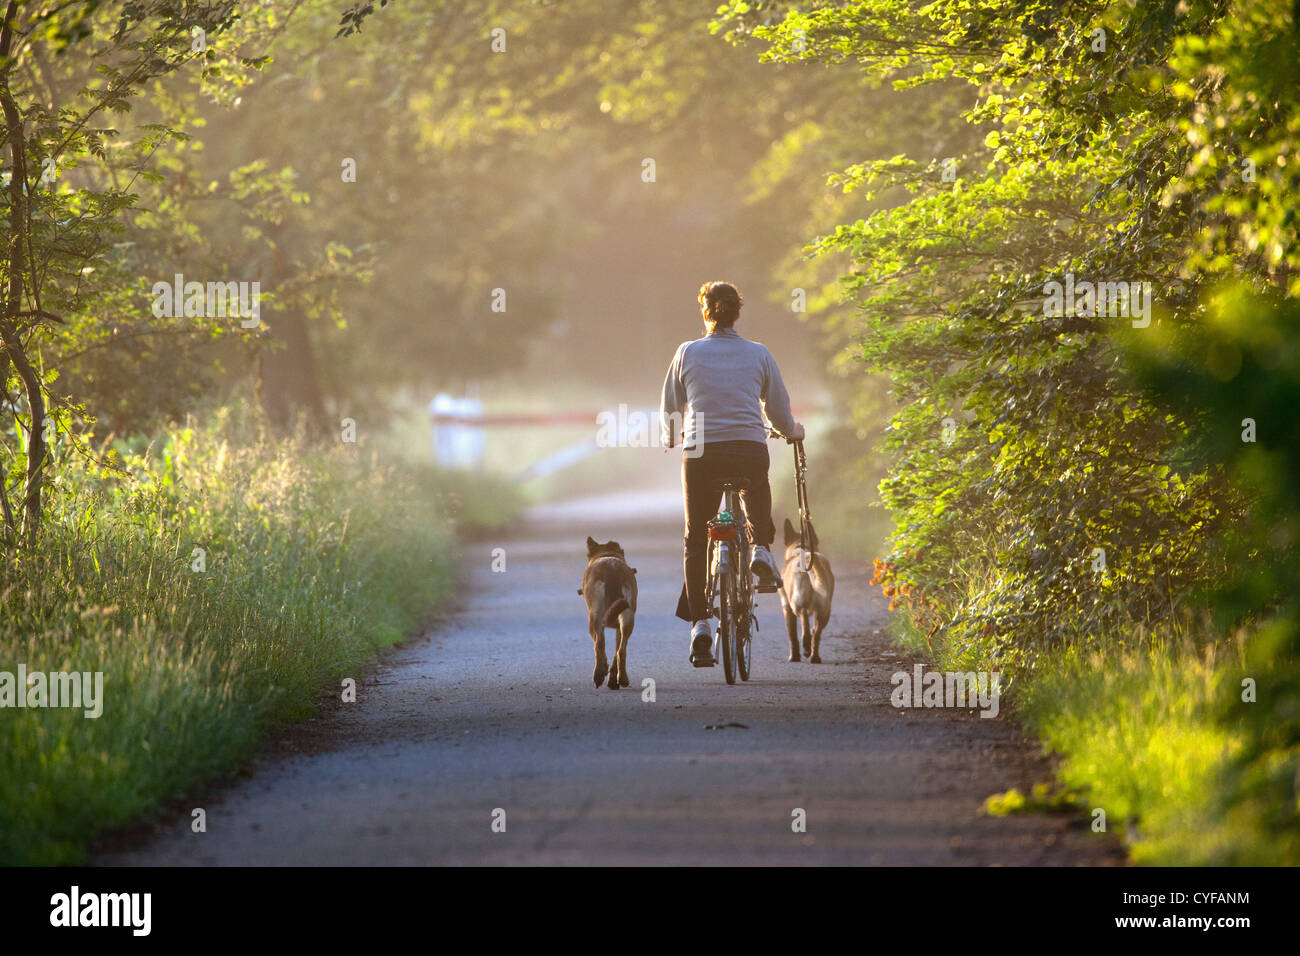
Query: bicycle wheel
[[727, 628], [743, 614], [744, 630]]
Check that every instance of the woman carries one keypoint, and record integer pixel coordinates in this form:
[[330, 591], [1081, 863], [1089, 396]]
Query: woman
[[723, 384]]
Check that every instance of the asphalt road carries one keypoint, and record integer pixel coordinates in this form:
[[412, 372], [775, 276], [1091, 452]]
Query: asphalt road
[[492, 719]]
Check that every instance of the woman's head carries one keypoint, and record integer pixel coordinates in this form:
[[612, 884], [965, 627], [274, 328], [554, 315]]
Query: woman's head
[[720, 304]]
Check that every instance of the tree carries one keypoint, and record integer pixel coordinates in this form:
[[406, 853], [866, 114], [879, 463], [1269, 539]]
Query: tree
[[1053, 458], [54, 229]]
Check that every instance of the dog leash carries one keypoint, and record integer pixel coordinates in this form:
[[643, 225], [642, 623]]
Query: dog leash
[[801, 489]]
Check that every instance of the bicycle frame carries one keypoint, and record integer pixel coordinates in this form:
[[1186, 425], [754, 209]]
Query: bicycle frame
[[737, 548], [729, 586]]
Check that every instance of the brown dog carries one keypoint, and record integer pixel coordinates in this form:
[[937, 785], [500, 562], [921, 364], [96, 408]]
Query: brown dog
[[807, 586], [609, 586]]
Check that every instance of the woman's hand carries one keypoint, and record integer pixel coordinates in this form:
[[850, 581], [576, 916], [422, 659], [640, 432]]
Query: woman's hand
[[797, 433]]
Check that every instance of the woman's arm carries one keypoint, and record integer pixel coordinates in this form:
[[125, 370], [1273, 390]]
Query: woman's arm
[[672, 406], [776, 400]]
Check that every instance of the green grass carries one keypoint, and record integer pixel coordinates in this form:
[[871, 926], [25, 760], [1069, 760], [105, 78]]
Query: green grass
[[1137, 737], [1137, 721], [315, 561]]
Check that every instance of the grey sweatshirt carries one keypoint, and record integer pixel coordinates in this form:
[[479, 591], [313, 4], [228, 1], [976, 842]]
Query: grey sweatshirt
[[724, 383]]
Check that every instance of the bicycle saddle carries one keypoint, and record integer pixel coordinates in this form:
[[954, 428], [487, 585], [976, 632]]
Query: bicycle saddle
[[730, 484]]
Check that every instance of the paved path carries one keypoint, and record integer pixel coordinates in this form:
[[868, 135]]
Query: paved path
[[495, 710]]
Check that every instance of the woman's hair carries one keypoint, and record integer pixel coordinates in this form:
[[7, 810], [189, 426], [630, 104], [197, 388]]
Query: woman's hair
[[721, 301]]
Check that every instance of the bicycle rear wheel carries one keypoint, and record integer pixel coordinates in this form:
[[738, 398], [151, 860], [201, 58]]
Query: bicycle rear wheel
[[727, 628], [744, 629], [742, 613]]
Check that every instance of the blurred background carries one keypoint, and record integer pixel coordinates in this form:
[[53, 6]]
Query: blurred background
[[517, 223]]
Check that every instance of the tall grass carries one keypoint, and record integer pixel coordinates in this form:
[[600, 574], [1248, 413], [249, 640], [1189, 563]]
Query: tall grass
[[312, 562], [1136, 719], [1136, 733]]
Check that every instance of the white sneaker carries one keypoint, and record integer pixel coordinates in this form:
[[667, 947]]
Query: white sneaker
[[701, 644], [764, 565]]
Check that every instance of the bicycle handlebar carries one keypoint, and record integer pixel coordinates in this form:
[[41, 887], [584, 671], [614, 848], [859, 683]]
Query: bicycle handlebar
[[773, 433]]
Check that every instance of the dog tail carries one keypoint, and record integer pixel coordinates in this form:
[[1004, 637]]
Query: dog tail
[[614, 610]]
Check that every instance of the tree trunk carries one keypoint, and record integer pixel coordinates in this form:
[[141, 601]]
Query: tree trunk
[[10, 321], [287, 383], [286, 377]]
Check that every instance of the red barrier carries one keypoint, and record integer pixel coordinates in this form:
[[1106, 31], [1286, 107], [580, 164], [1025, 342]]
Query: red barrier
[[547, 418]]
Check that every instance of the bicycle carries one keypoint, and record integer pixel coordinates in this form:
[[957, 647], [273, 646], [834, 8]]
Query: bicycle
[[730, 590], [729, 587]]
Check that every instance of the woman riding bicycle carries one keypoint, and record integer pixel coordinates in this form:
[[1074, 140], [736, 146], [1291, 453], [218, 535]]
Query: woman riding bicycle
[[723, 383]]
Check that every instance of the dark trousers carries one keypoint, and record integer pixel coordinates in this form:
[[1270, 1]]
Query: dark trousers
[[701, 477]]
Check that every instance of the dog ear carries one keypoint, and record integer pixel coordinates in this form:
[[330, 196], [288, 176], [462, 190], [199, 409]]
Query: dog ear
[[791, 535], [591, 545], [812, 538]]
